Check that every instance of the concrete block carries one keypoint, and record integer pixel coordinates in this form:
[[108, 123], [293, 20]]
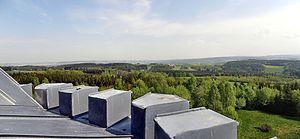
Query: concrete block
[[27, 88], [199, 123], [145, 108], [109, 107], [47, 94], [74, 101]]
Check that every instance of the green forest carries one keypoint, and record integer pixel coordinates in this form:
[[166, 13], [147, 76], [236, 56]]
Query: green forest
[[267, 89]]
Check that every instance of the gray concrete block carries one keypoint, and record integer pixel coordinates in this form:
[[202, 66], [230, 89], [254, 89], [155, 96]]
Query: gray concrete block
[[199, 123], [145, 108], [47, 94], [27, 88], [109, 107], [74, 101]]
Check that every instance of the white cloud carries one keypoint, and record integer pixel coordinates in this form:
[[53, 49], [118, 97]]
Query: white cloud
[[273, 32], [138, 20], [132, 30]]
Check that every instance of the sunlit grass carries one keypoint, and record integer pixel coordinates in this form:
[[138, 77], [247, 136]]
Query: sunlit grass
[[284, 127]]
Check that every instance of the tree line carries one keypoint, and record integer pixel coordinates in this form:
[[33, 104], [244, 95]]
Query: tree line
[[251, 67]]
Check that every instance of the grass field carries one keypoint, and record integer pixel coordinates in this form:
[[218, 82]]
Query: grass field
[[273, 69], [283, 127]]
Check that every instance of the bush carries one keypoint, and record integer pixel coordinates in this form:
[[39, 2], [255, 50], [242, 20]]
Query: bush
[[230, 112]]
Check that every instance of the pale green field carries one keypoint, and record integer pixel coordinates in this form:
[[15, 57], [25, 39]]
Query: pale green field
[[273, 69]]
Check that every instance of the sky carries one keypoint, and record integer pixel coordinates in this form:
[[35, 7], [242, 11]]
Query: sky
[[79, 30]]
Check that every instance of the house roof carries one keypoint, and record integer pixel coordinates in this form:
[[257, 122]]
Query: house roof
[[45, 126]]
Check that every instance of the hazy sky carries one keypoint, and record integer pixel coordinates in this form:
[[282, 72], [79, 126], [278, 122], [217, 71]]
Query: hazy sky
[[66, 30]]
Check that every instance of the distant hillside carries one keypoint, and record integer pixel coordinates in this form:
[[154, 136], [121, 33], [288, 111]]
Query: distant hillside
[[210, 60], [221, 60], [197, 67]]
